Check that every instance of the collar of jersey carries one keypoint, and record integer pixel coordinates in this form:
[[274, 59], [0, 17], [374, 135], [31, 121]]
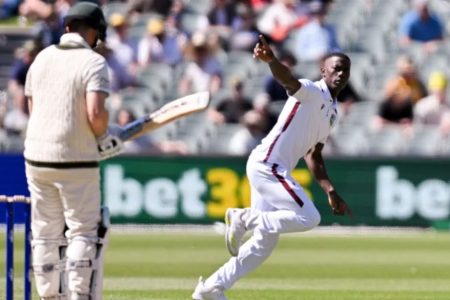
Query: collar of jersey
[[73, 40], [324, 88]]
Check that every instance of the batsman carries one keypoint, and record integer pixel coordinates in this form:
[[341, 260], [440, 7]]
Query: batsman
[[67, 135]]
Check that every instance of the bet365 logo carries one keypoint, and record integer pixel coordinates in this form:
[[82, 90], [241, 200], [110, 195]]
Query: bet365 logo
[[400, 199]]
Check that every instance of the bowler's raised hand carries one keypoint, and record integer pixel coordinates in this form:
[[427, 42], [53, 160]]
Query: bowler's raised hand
[[262, 50]]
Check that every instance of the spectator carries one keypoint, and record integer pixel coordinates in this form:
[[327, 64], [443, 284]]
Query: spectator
[[407, 83], [245, 33], [347, 97], [395, 110], [177, 9], [125, 48], [144, 144], [421, 25], [279, 19], [36, 9], [25, 57], [203, 71], [316, 38], [430, 110], [230, 110], [120, 76], [197, 22], [16, 119], [261, 105], [221, 15], [8, 8], [163, 43], [161, 7], [49, 16], [250, 135], [401, 93], [258, 5], [184, 20], [444, 126]]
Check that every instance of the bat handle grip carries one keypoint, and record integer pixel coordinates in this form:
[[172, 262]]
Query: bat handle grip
[[131, 129]]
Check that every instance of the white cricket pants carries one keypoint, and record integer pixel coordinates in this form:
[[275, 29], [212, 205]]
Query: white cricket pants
[[278, 205], [60, 197]]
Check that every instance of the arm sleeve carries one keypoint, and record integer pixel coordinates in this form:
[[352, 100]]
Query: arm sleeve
[[97, 76], [304, 92]]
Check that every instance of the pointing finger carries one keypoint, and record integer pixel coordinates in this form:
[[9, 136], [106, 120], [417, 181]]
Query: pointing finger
[[263, 40]]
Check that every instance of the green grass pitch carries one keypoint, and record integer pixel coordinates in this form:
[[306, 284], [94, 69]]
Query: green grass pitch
[[166, 265]]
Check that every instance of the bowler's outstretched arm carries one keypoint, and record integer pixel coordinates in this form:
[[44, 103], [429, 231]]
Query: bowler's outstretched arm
[[316, 166], [281, 72]]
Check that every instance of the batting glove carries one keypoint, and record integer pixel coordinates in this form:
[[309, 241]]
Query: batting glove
[[109, 144]]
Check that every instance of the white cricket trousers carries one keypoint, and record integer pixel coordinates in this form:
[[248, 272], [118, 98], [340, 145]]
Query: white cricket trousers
[[61, 197], [278, 205]]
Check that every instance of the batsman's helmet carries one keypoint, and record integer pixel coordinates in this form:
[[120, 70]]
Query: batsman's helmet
[[91, 14]]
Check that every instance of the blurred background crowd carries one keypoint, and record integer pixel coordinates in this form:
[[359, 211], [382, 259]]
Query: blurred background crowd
[[157, 50]]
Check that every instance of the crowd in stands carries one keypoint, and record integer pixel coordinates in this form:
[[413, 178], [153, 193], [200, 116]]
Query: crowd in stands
[[192, 39]]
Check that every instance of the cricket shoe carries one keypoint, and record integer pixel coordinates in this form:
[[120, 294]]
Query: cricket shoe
[[234, 229], [203, 292]]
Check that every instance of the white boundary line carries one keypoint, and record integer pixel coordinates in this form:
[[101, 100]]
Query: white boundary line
[[218, 228]]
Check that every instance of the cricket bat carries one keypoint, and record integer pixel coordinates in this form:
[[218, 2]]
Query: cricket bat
[[169, 112]]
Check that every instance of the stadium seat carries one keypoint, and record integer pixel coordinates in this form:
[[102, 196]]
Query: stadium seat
[[219, 143], [426, 140], [308, 70], [190, 22], [196, 131], [138, 27], [361, 113], [367, 33], [140, 101], [348, 141], [387, 141], [111, 7], [166, 132], [13, 144], [361, 63], [239, 65], [435, 62], [3, 140], [444, 147], [220, 95], [378, 76], [199, 6]]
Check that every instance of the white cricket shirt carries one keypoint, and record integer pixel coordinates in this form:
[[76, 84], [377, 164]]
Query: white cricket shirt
[[306, 119], [57, 81]]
